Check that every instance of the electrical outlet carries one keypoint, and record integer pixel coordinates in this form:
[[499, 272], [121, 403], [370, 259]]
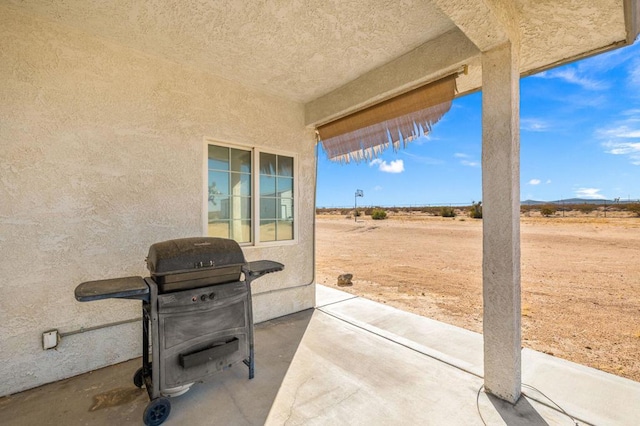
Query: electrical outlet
[[50, 339]]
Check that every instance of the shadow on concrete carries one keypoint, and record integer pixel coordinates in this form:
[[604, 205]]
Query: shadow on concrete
[[522, 413], [109, 397]]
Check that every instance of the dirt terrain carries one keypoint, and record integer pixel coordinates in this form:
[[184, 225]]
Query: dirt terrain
[[580, 278]]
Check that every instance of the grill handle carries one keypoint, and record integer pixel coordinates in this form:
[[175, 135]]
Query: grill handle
[[208, 354]]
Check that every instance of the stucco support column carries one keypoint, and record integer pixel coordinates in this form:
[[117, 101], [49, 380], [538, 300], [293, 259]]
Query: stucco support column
[[501, 221]]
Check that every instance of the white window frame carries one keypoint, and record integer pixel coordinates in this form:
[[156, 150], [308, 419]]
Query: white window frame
[[255, 190]]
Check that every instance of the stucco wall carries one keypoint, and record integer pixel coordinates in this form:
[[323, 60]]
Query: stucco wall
[[102, 155]]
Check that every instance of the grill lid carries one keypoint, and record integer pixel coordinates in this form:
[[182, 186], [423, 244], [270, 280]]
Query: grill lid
[[189, 254]]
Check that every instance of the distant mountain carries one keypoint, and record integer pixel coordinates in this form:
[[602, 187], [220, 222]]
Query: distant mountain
[[566, 201]]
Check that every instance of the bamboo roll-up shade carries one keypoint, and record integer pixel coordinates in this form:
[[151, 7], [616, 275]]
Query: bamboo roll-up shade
[[366, 133]]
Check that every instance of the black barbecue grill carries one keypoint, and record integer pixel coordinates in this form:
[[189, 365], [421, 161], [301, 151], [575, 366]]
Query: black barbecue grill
[[196, 314]]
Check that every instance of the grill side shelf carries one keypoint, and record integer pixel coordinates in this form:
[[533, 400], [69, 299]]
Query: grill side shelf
[[260, 267], [115, 288]]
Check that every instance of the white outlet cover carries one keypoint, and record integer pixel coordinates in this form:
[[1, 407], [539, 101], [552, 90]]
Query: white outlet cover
[[50, 339]]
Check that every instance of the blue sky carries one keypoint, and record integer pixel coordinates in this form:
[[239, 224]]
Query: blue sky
[[579, 137]]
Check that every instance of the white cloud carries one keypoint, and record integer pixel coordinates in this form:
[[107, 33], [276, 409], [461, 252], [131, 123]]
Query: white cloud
[[623, 131], [377, 188], [465, 160], [395, 166], [630, 149], [591, 73], [622, 148], [634, 74], [422, 139], [423, 159], [534, 125], [631, 112], [607, 61], [623, 138], [534, 182], [575, 76], [593, 193]]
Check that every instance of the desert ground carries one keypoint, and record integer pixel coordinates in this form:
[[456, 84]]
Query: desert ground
[[580, 277]]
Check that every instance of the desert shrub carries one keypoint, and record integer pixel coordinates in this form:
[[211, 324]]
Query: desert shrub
[[547, 211], [634, 208], [586, 208], [369, 210], [358, 213], [475, 211], [378, 214], [447, 212], [431, 210]]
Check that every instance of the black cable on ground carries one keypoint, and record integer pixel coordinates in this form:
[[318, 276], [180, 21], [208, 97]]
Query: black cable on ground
[[575, 422]]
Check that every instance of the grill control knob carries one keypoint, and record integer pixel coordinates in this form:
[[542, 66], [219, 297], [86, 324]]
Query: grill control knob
[[212, 296], [203, 297]]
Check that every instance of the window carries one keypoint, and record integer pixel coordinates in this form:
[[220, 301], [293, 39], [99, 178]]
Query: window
[[276, 197], [246, 206], [229, 187]]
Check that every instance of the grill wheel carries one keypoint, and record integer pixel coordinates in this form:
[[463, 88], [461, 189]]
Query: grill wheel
[[138, 378], [156, 412]]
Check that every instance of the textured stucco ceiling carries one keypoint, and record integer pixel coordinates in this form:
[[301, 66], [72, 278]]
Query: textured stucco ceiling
[[552, 30], [299, 49], [305, 50]]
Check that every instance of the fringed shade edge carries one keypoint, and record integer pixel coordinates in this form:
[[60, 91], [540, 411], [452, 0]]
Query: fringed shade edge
[[365, 134]]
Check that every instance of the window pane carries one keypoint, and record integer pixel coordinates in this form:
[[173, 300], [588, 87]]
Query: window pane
[[285, 187], [240, 184], [284, 230], [267, 230], [268, 208], [218, 157], [285, 166], [219, 210], [267, 186], [218, 184], [229, 198], [240, 207], [240, 161], [219, 228], [267, 164], [241, 231], [284, 208]]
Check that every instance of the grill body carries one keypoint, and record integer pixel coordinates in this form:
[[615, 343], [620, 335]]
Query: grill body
[[201, 332], [197, 314]]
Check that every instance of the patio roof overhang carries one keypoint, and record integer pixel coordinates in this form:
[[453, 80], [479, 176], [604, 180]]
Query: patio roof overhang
[[336, 56]]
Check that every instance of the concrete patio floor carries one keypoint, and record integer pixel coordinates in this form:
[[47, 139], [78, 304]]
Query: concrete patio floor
[[350, 361]]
